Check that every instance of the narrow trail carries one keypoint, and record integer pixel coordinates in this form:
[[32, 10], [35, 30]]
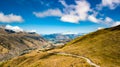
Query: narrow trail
[[87, 59]]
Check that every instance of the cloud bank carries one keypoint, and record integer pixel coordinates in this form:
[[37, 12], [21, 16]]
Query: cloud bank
[[71, 13], [112, 4], [116, 23], [14, 28], [18, 29], [81, 11], [49, 12], [10, 18]]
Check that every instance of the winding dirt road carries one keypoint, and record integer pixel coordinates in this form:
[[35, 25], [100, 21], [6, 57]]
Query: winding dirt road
[[87, 59]]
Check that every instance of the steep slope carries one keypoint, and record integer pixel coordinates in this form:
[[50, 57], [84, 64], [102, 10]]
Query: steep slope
[[15, 43], [101, 48]]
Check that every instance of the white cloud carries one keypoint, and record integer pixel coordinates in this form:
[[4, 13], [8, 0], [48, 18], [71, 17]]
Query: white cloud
[[17, 29], [63, 3], [50, 12], [68, 32], [116, 23], [14, 28], [112, 4], [108, 20], [10, 18], [99, 28], [32, 31], [82, 9], [93, 19], [70, 18], [76, 13]]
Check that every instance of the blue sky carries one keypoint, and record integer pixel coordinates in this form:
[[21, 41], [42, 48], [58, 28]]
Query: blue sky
[[57, 16]]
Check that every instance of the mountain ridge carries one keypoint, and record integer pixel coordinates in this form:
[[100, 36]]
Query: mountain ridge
[[15, 43], [101, 47]]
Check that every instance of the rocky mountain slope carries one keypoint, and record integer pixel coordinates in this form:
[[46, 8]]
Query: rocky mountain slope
[[17, 43]]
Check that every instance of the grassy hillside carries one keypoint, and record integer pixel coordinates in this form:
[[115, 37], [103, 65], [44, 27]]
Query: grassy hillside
[[44, 59], [102, 47]]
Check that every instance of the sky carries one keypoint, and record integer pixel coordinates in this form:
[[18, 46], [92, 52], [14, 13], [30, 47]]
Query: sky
[[59, 16]]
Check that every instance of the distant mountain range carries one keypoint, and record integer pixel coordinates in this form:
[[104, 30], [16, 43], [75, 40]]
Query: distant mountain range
[[58, 38]]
